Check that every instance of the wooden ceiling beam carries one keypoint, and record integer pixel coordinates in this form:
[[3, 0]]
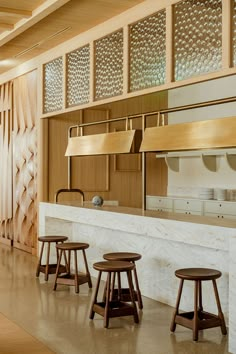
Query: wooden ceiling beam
[[17, 12], [6, 26], [46, 8]]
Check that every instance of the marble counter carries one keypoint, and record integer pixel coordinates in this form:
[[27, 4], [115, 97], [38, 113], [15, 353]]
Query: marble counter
[[166, 241]]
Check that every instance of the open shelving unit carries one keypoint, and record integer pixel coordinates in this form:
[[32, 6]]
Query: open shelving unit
[[208, 158]]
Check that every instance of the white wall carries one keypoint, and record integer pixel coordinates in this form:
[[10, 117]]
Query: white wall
[[192, 172]]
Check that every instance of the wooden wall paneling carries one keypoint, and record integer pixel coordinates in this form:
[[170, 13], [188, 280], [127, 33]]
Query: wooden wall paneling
[[126, 178], [43, 156], [127, 163], [6, 212], [57, 143], [25, 163], [157, 171], [91, 173]]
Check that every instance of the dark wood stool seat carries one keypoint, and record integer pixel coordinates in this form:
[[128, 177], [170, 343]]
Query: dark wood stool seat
[[110, 307], [49, 268], [124, 292], [198, 319], [77, 278]]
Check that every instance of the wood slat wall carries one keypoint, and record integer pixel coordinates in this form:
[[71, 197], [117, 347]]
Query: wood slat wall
[[6, 230], [25, 162]]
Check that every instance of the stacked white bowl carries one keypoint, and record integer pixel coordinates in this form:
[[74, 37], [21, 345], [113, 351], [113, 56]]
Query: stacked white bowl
[[206, 193], [219, 194]]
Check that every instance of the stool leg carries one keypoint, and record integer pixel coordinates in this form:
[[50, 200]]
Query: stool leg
[[57, 271], [200, 307], [119, 287], [87, 269], [131, 290], [195, 317], [112, 286], [220, 313], [139, 297], [40, 260], [69, 259], [91, 316], [47, 264], [57, 250], [104, 293], [66, 262], [173, 324], [107, 304], [76, 273]]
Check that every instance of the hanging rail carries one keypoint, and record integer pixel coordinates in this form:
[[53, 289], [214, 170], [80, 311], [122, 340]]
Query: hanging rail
[[162, 111]]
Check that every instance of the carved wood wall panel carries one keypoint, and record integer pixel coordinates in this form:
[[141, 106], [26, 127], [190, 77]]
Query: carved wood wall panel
[[6, 232], [25, 163]]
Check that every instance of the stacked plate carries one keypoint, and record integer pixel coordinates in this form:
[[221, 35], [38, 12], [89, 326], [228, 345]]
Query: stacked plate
[[232, 195], [219, 194], [206, 193]]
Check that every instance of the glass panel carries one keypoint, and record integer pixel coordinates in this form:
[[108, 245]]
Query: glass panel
[[148, 52], [197, 37], [53, 85], [234, 33], [78, 65], [109, 66]]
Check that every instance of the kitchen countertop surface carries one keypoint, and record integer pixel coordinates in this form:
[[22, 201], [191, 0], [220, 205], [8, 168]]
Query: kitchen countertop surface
[[198, 219]]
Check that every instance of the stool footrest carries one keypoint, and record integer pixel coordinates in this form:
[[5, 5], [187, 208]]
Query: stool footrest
[[69, 279], [52, 268], [116, 309], [124, 294], [205, 320]]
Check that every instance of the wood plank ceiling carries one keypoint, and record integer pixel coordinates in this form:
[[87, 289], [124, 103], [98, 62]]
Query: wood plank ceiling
[[30, 27]]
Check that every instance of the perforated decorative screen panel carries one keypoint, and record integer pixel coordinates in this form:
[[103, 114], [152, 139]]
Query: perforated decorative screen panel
[[234, 33], [197, 37], [109, 66], [78, 71], [148, 52], [53, 85]]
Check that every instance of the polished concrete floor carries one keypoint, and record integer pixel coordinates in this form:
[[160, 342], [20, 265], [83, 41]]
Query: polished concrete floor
[[60, 319]]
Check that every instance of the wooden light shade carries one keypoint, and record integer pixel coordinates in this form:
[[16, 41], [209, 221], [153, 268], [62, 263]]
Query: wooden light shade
[[215, 133], [102, 144]]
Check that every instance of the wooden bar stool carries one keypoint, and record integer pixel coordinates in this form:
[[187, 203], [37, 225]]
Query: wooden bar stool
[[49, 268], [110, 307], [198, 319], [77, 278], [124, 292]]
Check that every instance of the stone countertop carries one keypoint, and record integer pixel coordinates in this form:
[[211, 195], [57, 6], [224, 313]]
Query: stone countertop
[[197, 219]]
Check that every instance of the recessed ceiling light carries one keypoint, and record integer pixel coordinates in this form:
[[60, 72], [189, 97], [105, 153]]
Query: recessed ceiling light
[[7, 62]]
